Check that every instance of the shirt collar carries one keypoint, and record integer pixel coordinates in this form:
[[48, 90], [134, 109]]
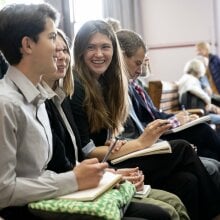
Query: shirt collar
[[33, 94], [58, 95]]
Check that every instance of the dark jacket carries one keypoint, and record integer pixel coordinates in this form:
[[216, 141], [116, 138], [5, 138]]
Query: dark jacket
[[63, 158], [214, 66], [141, 109]]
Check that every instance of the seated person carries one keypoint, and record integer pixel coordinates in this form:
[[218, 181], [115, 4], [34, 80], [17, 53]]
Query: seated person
[[213, 67], [27, 34], [204, 137], [191, 91]]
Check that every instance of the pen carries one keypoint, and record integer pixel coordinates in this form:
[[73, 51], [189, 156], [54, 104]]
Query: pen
[[110, 150], [184, 109]]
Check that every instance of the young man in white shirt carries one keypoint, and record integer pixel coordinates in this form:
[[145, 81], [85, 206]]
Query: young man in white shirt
[[27, 40]]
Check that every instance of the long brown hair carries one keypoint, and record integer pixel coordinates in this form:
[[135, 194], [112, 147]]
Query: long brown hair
[[105, 99]]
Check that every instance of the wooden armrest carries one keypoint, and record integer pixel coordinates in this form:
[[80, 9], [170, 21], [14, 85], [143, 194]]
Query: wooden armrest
[[200, 112], [197, 111]]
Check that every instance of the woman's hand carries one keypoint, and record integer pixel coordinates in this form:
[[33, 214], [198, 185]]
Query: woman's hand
[[118, 145], [133, 175], [212, 108], [153, 131], [183, 117], [89, 173], [192, 117]]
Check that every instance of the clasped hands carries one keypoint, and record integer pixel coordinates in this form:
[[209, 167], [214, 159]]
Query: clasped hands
[[133, 175]]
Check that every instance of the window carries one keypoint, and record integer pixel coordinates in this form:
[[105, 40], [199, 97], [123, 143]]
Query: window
[[4, 2], [80, 10], [85, 10]]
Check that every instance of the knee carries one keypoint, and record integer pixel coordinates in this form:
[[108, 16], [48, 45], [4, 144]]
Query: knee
[[210, 167], [187, 183], [183, 146]]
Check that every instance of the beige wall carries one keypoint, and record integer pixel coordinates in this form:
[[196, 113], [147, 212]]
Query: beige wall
[[171, 29]]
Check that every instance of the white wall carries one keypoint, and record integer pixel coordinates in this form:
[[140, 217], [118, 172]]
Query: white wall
[[171, 29], [216, 7]]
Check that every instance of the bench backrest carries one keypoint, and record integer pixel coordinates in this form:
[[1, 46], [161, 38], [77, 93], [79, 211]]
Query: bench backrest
[[164, 95]]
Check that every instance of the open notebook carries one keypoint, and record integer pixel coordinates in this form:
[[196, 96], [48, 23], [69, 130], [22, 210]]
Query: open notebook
[[161, 147], [108, 181], [189, 124]]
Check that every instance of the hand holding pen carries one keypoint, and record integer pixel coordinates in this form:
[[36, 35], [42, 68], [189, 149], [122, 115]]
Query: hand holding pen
[[184, 110], [118, 145], [183, 116], [110, 149], [189, 117]]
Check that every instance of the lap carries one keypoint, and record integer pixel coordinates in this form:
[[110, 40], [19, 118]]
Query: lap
[[146, 211], [168, 201]]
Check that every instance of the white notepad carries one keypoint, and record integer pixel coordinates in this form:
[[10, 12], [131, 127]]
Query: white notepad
[[143, 193], [161, 147], [189, 124], [108, 181]]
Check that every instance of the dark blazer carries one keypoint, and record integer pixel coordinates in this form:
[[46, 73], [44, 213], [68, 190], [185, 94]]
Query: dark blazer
[[63, 158], [214, 66], [141, 109]]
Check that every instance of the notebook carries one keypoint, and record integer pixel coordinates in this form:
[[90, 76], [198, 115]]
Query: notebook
[[161, 147], [189, 124], [143, 193], [108, 181]]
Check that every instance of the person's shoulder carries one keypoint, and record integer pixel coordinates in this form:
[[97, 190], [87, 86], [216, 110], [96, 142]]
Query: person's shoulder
[[6, 87], [185, 78], [8, 94], [9, 103], [77, 82], [78, 86], [213, 58], [191, 78]]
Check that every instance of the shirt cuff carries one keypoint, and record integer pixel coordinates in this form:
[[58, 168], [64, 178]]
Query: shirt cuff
[[67, 183], [88, 148]]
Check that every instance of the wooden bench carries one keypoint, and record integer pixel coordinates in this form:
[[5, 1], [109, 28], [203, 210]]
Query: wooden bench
[[165, 97]]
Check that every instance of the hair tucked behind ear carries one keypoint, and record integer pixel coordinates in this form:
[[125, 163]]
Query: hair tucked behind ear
[[105, 99]]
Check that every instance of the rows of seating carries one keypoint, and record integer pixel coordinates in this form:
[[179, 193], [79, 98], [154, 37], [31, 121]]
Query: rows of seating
[[165, 97]]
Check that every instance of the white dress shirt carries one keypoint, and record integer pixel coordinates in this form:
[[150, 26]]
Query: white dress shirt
[[26, 144]]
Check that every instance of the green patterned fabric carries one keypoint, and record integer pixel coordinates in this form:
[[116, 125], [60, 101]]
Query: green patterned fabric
[[108, 206]]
